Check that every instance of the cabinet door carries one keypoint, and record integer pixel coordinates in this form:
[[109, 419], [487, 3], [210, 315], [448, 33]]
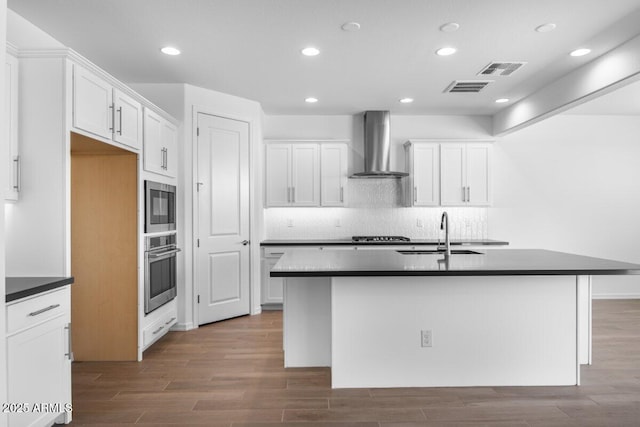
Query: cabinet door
[[478, 174], [128, 120], [154, 154], [39, 371], [169, 137], [92, 103], [272, 287], [333, 172], [426, 175], [305, 175], [278, 175], [12, 169], [452, 174]]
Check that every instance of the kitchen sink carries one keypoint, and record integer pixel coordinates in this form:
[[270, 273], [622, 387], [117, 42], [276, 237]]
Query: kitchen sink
[[440, 252]]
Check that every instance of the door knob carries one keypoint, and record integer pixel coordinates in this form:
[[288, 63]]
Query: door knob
[[245, 242]]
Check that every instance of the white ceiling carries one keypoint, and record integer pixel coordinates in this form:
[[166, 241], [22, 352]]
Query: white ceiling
[[251, 48]]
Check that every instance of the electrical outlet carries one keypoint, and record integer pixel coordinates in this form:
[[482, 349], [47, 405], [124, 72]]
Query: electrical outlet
[[289, 222], [419, 223], [427, 339]]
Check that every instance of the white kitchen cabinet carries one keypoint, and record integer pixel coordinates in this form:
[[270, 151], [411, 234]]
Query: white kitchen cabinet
[[12, 165], [333, 173], [465, 174], [272, 287], [423, 163], [160, 145], [39, 358], [292, 174], [102, 110], [160, 326]]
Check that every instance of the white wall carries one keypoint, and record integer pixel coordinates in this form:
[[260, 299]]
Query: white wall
[[572, 183], [374, 206], [184, 102]]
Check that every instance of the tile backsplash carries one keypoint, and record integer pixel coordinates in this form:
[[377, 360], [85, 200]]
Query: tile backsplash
[[374, 207]]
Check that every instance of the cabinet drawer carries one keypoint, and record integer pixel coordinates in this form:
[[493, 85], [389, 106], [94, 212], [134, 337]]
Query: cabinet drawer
[[38, 309], [158, 328], [274, 252]]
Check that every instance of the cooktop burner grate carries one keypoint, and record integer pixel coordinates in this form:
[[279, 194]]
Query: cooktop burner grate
[[380, 239]]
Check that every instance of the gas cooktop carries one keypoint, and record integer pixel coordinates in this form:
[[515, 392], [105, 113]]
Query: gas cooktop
[[380, 239]]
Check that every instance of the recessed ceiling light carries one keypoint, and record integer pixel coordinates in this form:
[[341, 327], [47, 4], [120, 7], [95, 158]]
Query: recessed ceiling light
[[580, 52], [546, 28], [406, 100], [168, 50], [502, 100], [311, 100], [446, 51], [351, 26], [449, 27], [310, 51]]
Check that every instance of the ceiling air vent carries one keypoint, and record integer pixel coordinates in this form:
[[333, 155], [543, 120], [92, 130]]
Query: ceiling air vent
[[501, 68], [467, 86]]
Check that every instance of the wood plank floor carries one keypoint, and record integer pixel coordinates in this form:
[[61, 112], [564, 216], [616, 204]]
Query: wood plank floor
[[230, 374]]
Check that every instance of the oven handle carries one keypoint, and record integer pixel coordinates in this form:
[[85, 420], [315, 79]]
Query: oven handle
[[164, 254]]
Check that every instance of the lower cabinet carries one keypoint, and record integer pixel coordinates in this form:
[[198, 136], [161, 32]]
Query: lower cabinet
[[39, 359], [160, 326], [271, 287]]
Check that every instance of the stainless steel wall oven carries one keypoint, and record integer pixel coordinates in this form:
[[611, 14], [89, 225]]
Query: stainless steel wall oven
[[159, 271]]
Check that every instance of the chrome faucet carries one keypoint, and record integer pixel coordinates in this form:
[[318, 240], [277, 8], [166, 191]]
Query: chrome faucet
[[444, 225]]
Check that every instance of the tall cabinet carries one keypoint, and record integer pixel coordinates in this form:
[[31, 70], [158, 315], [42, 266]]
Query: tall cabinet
[[10, 138]]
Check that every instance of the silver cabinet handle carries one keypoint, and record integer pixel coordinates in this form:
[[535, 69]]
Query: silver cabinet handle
[[51, 307], [170, 320], [111, 107], [69, 352], [16, 161], [164, 254], [158, 330], [464, 194], [120, 118], [342, 194], [415, 194]]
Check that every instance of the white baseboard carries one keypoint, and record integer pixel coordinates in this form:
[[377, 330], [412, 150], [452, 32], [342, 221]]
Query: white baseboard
[[183, 326], [616, 296]]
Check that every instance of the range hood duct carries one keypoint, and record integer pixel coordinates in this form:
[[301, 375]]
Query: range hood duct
[[377, 147]]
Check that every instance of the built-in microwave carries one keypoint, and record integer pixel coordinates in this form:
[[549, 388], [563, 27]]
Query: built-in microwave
[[160, 207]]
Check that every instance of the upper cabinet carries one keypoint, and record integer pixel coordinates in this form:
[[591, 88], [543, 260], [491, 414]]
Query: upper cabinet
[[293, 174], [333, 173], [447, 173], [423, 165], [102, 110], [11, 168], [305, 173], [465, 174], [160, 145]]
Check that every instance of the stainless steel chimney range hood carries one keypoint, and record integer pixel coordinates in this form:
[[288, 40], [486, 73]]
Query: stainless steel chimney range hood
[[377, 147]]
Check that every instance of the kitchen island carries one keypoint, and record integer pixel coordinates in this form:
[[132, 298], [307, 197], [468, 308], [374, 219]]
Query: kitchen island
[[405, 319]]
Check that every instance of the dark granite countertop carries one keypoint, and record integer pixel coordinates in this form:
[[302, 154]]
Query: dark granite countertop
[[491, 262], [349, 242], [21, 287]]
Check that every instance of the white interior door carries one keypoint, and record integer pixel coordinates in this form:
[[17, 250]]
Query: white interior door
[[222, 274]]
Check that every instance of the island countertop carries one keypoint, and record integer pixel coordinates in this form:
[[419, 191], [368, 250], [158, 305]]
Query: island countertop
[[21, 287], [350, 242], [491, 262]]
